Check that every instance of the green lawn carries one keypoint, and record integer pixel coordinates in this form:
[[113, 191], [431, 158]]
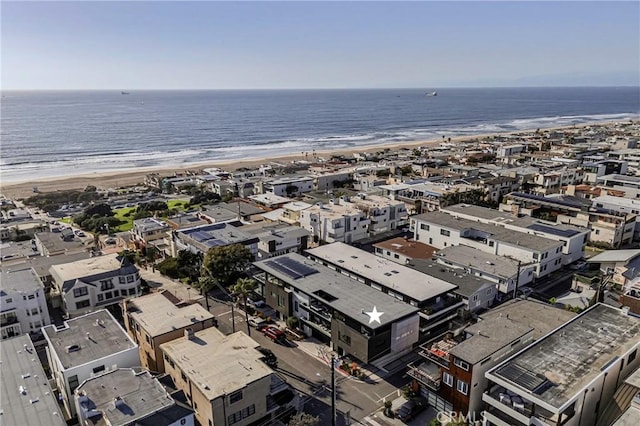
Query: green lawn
[[128, 221]]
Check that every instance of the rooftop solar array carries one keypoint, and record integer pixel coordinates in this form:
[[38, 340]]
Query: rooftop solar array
[[553, 231], [214, 243], [527, 379], [291, 268], [200, 236]]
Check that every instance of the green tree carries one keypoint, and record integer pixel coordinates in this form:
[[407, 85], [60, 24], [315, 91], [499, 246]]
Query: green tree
[[304, 419], [225, 263], [243, 287]]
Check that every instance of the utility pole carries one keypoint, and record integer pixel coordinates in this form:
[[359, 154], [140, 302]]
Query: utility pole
[[333, 391]]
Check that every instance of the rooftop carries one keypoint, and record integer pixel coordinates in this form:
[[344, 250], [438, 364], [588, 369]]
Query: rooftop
[[237, 362], [296, 206], [540, 316], [492, 264], [148, 224], [339, 292], [506, 236], [158, 315], [269, 199], [37, 405], [53, 242], [185, 220], [398, 278], [87, 338], [615, 256], [560, 365], [467, 284], [42, 264], [214, 235], [488, 337], [123, 397], [20, 281], [409, 248], [92, 269]]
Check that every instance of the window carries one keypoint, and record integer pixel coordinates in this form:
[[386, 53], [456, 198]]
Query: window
[[235, 397], [132, 291], [424, 226], [460, 363], [31, 297], [83, 304], [81, 291], [34, 311], [475, 297], [462, 387], [106, 285], [491, 243], [344, 338], [108, 295], [632, 356], [447, 378], [248, 411], [121, 280], [98, 369], [73, 383], [130, 279], [9, 300], [445, 232], [430, 240], [100, 298]]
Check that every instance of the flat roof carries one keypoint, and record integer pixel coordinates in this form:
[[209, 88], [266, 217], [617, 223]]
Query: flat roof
[[488, 337], [216, 234], [21, 367], [53, 242], [461, 255], [42, 264], [560, 365], [394, 276], [507, 236], [540, 316], [296, 206], [218, 364], [467, 284], [338, 291], [158, 315], [186, 220], [140, 395], [149, 224], [19, 281], [269, 199], [614, 256], [409, 248], [96, 334]]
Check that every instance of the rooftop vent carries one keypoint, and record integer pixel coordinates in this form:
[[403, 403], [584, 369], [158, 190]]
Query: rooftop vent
[[72, 348], [188, 333]]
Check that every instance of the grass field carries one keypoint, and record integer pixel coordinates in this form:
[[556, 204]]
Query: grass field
[[128, 220]]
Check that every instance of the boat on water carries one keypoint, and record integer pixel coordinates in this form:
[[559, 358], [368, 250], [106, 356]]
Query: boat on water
[[124, 93], [434, 93]]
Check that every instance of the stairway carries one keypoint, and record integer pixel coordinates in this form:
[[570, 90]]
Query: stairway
[[618, 405]]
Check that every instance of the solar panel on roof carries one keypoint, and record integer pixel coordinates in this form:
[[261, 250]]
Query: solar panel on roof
[[525, 378], [291, 268], [553, 231], [200, 236], [214, 243]]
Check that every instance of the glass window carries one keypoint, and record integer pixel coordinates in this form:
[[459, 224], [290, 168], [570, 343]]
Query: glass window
[[81, 291], [462, 387], [447, 378], [460, 363], [445, 232], [121, 280], [106, 285], [235, 397], [83, 304]]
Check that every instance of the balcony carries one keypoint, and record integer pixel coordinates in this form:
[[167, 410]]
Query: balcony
[[438, 352], [426, 373], [444, 305], [509, 403], [8, 320]]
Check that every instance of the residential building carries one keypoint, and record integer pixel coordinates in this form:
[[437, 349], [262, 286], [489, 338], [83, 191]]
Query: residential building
[[552, 182], [124, 397], [401, 250], [269, 200], [97, 282], [621, 205], [335, 222], [202, 238], [631, 296], [339, 310], [607, 227], [23, 305], [501, 270], [383, 213], [624, 181], [185, 220], [289, 186], [147, 230], [497, 187], [573, 238], [224, 379], [421, 196], [158, 318], [509, 150], [85, 346], [622, 265], [25, 395], [292, 211], [600, 168], [442, 230], [452, 370], [56, 243], [278, 238], [568, 376]]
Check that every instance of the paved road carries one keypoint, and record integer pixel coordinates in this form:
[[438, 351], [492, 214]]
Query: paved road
[[312, 377]]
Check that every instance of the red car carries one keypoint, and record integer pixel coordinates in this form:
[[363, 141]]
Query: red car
[[273, 333]]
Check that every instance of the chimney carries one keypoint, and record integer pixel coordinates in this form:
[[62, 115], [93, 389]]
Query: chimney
[[188, 333]]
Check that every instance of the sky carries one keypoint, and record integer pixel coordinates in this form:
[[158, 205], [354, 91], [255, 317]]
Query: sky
[[277, 45]]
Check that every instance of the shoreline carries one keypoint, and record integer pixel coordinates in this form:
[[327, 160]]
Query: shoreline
[[127, 177]]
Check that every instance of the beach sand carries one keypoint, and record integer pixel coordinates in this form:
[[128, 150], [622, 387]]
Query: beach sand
[[128, 177]]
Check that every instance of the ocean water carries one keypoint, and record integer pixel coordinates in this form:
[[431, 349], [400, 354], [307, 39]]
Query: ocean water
[[54, 134]]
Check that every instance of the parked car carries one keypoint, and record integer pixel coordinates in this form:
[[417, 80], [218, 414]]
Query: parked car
[[256, 303], [411, 408], [274, 333], [269, 357], [257, 322], [79, 233]]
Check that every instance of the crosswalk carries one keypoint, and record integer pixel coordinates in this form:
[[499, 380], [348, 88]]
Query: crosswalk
[[369, 421]]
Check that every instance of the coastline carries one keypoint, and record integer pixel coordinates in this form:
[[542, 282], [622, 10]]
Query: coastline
[[127, 177]]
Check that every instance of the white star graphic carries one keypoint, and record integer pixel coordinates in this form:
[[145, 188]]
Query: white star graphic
[[374, 315]]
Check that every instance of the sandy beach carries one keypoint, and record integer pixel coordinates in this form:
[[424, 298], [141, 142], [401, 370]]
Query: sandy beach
[[128, 177]]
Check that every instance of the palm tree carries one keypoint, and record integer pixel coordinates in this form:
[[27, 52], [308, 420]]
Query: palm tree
[[243, 287]]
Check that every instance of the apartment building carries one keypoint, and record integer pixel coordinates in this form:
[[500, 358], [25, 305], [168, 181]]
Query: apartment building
[[383, 213], [149, 229], [278, 238], [335, 222], [342, 311], [567, 377], [224, 379], [596, 169], [442, 230], [552, 182], [25, 394], [422, 196], [200, 239], [402, 250], [573, 238], [158, 318], [614, 180], [607, 226], [97, 282], [85, 346], [622, 205], [622, 265], [125, 397], [23, 305], [289, 186], [451, 370]]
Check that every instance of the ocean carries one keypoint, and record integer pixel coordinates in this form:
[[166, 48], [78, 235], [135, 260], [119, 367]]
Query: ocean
[[47, 134]]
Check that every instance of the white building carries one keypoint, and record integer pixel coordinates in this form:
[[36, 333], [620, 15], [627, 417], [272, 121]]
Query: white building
[[84, 347], [621, 205], [335, 222], [149, 229], [94, 283], [567, 377], [125, 397], [384, 213], [23, 305], [290, 186]]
